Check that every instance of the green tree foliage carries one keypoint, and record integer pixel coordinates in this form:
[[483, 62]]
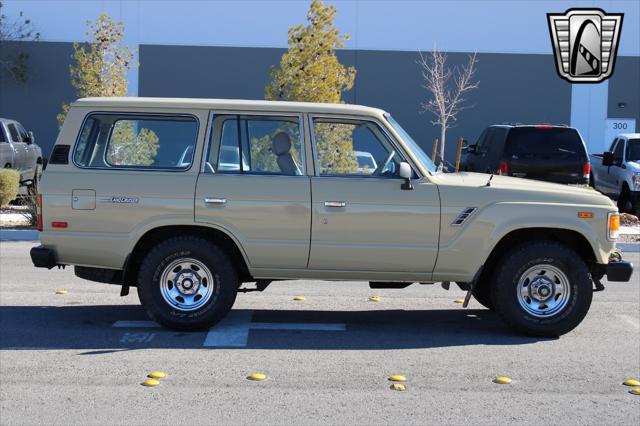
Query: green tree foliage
[[310, 72], [335, 148], [130, 146], [9, 185], [101, 65], [12, 60]]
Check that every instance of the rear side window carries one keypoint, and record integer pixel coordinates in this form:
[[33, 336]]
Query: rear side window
[[136, 141], [2, 137], [534, 141], [267, 145]]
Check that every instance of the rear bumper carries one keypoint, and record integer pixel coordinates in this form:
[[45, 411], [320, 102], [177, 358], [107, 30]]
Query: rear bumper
[[619, 271], [43, 257]]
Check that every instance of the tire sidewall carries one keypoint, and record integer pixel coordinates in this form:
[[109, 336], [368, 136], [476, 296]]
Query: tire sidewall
[[505, 294], [224, 283]]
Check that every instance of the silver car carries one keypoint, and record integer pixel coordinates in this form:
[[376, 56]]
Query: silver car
[[18, 151]]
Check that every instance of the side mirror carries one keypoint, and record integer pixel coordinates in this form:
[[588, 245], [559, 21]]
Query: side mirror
[[472, 149], [607, 159], [406, 173], [30, 138]]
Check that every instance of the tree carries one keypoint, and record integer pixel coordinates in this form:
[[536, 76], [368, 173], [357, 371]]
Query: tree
[[447, 97], [132, 147], [310, 72], [101, 65], [15, 62]]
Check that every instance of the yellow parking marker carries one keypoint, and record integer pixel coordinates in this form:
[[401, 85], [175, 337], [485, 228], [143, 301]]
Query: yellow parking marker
[[631, 382], [635, 391], [458, 301], [256, 377], [398, 378], [61, 292], [299, 298], [374, 299], [398, 387], [150, 383], [156, 375], [502, 380]]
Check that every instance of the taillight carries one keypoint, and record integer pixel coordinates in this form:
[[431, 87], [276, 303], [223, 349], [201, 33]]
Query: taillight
[[613, 227], [586, 169], [39, 211], [504, 168]]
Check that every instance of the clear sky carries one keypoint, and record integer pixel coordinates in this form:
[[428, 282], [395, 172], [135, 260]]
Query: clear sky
[[470, 25]]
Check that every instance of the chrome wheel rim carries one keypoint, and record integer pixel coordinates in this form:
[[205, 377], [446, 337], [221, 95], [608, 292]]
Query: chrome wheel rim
[[543, 290], [186, 284]]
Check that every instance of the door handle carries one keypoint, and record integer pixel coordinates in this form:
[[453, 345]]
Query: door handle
[[335, 204], [215, 201]]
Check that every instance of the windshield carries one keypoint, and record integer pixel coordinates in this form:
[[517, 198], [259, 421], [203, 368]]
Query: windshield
[[633, 153], [424, 158]]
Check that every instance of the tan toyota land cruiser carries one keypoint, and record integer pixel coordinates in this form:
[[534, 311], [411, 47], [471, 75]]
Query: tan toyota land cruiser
[[187, 199]]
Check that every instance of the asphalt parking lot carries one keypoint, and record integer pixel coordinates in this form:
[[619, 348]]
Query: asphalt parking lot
[[79, 357]]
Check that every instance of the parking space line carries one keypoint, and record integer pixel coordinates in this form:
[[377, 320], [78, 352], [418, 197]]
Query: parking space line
[[136, 324], [297, 326], [233, 331]]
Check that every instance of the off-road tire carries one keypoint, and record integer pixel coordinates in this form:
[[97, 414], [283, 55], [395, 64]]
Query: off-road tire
[[224, 276], [525, 256]]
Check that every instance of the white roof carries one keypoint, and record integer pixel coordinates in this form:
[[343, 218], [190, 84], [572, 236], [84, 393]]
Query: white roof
[[228, 104], [629, 135]]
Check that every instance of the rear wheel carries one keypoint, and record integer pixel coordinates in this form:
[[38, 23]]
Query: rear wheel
[[187, 283], [542, 289]]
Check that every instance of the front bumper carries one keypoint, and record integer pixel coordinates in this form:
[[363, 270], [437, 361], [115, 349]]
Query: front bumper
[[43, 257], [619, 271]]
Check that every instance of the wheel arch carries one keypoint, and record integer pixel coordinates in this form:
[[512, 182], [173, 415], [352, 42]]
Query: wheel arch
[[155, 235], [571, 238]]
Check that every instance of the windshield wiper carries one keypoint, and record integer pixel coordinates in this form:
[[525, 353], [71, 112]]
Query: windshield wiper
[[565, 150]]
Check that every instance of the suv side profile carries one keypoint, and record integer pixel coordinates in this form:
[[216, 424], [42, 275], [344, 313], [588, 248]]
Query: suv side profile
[[189, 199], [542, 152]]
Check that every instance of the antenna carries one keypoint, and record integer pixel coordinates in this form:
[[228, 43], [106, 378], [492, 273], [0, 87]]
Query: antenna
[[489, 181]]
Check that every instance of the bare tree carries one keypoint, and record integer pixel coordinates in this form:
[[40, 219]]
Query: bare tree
[[448, 87], [19, 29]]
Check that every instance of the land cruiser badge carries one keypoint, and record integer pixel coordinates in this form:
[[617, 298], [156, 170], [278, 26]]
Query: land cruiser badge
[[120, 200], [585, 43]]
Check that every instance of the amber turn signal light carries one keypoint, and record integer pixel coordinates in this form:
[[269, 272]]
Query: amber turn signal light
[[614, 226]]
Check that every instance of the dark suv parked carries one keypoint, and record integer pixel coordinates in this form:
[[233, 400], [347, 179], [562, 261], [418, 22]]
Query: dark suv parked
[[542, 152]]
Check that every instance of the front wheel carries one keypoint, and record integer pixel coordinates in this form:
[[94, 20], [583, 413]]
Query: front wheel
[[542, 289], [187, 283]]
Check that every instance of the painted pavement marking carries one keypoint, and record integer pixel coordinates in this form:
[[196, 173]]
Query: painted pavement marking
[[233, 331]]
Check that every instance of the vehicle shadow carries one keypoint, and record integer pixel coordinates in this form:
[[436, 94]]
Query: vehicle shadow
[[91, 328]]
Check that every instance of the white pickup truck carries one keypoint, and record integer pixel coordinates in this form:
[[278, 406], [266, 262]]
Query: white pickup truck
[[616, 172]]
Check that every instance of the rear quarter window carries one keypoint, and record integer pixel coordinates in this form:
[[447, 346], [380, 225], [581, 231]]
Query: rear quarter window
[[533, 141], [136, 141]]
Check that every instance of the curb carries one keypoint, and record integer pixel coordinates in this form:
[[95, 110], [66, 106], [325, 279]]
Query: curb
[[18, 235]]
